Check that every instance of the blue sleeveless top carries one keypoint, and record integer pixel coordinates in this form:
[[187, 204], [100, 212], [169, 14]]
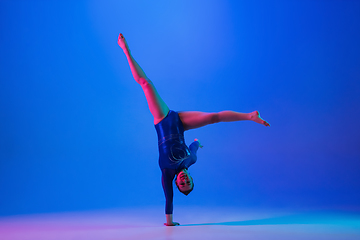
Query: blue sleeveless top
[[173, 152]]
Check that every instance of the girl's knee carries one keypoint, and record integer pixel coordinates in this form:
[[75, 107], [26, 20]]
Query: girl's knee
[[215, 118], [144, 82]]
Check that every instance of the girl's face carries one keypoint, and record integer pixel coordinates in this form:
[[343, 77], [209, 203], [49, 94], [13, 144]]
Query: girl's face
[[184, 181]]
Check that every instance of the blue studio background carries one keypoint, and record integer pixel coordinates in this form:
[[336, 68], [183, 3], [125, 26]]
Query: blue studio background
[[76, 133]]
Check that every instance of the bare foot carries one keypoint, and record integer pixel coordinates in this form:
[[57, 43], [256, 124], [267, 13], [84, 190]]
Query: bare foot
[[255, 116], [122, 42]]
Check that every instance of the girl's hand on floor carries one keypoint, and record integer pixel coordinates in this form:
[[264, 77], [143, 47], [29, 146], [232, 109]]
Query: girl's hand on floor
[[172, 224]]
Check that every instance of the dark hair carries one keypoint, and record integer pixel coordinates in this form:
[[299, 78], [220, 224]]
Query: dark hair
[[187, 191]]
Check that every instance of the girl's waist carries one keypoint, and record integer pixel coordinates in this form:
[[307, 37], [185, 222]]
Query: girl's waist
[[179, 138]]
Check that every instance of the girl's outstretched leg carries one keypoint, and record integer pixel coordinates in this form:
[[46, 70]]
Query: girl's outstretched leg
[[157, 106], [193, 120]]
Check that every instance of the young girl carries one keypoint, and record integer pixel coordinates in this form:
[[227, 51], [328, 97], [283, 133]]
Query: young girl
[[174, 156]]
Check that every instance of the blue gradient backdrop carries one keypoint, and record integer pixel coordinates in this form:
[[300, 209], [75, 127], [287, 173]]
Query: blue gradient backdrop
[[76, 133]]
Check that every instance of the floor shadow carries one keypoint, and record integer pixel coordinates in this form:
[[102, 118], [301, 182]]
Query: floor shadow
[[292, 219]]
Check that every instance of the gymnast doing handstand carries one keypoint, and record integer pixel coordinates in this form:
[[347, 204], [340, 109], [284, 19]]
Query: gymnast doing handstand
[[175, 157]]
